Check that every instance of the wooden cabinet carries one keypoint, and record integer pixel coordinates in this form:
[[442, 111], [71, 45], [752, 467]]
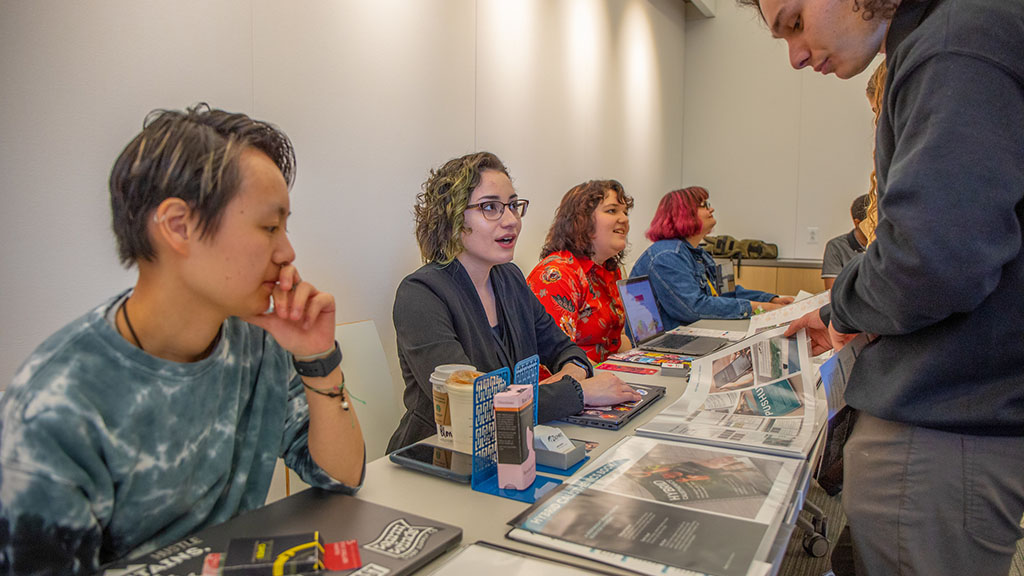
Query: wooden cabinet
[[758, 278], [785, 277], [793, 280]]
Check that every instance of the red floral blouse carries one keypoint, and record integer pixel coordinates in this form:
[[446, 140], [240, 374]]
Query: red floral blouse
[[582, 298]]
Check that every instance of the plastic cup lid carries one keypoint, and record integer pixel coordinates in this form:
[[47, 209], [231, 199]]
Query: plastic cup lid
[[445, 369]]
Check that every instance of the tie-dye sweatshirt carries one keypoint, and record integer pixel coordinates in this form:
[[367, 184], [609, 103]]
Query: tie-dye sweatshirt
[[106, 451]]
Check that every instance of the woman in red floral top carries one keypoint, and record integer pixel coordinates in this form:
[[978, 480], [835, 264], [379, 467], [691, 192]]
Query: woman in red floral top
[[580, 263]]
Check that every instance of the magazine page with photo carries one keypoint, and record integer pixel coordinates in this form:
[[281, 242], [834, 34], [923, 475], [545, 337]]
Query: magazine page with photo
[[758, 394], [687, 506]]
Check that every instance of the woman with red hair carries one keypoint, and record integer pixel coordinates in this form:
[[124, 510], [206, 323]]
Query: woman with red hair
[[580, 263], [683, 275]]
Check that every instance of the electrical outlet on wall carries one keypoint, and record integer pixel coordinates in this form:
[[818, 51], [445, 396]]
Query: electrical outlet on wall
[[812, 234]]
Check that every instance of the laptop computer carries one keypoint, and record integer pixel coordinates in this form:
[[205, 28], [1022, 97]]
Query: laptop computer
[[613, 417], [648, 329], [390, 541]]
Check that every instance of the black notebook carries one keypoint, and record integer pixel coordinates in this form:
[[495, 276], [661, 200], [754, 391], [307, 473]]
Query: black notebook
[[390, 541]]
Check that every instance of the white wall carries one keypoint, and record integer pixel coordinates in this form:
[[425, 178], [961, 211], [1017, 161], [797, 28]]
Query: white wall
[[779, 150], [373, 94]]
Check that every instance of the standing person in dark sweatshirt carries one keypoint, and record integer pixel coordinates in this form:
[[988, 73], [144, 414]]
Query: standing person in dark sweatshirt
[[469, 304], [934, 468]]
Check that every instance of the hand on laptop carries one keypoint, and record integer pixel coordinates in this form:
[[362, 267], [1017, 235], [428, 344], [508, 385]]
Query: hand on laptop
[[605, 389]]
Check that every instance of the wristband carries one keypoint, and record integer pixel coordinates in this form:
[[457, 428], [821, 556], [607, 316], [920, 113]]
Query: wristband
[[332, 392], [319, 367], [586, 369]]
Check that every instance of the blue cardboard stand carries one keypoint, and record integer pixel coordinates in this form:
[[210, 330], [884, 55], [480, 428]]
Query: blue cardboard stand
[[485, 447], [541, 486], [527, 373]]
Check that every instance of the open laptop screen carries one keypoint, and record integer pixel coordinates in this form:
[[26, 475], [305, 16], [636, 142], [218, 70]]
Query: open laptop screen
[[641, 308]]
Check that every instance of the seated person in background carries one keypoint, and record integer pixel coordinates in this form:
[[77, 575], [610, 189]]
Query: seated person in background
[[470, 304], [164, 410], [843, 248], [575, 280], [683, 275]]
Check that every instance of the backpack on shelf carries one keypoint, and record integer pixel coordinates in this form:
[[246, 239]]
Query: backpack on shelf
[[725, 246]]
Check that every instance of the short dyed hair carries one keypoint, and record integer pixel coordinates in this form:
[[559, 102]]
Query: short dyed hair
[[869, 8], [859, 208], [573, 226], [676, 216], [441, 206], [192, 155]]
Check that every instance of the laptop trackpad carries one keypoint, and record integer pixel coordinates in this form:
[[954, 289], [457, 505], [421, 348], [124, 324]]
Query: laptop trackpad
[[702, 346]]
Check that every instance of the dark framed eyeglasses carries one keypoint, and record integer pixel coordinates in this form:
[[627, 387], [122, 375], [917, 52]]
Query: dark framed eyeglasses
[[494, 210], [705, 204]]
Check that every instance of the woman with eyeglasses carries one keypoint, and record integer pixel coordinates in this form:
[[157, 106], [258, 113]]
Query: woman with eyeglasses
[[469, 304], [580, 260], [683, 275]]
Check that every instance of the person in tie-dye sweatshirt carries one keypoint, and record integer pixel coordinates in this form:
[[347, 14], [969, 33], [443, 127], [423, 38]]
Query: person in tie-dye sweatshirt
[[164, 409]]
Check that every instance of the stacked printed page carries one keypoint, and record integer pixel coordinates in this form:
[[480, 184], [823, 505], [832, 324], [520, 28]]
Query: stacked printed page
[[658, 507], [758, 394]]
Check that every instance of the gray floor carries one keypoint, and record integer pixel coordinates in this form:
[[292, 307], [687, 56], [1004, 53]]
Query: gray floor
[[797, 562]]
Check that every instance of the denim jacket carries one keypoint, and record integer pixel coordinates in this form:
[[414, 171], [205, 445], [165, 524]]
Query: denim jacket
[[680, 274]]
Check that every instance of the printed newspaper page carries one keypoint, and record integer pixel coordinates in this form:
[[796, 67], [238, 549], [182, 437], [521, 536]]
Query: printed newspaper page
[[731, 335], [696, 508], [758, 394], [786, 314]]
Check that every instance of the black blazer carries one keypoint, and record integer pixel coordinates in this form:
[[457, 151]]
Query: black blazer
[[439, 319]]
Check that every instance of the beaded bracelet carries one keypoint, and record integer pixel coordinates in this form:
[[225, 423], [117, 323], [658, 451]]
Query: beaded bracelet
[[332, 392]]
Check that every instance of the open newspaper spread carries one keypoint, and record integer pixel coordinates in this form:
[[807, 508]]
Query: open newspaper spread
[[758, 394], [659, 507]]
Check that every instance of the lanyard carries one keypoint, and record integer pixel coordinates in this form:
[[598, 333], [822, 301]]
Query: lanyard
[[711, 284]]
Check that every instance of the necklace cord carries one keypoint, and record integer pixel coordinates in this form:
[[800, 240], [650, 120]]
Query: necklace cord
[[128, 322]]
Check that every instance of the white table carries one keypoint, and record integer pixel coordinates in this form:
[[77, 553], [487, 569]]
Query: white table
[[483, 516]]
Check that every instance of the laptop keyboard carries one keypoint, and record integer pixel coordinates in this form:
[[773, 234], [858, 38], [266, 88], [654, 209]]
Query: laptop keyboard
[[673, 341]]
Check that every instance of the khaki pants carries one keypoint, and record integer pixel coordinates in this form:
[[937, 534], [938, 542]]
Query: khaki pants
[[925, 502]]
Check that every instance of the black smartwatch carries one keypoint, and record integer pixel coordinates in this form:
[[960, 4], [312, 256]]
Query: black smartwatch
[[321, 366], [586, 367]]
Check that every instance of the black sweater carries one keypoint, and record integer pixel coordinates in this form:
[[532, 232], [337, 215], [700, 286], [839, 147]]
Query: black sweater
[[943, 284], [439, 319]]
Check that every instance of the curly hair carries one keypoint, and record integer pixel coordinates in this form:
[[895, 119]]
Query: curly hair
[[573, 226], [869, 9], [677, 216], [441, 206], [192, 155], [876, 94]]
